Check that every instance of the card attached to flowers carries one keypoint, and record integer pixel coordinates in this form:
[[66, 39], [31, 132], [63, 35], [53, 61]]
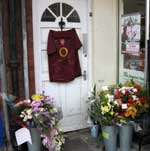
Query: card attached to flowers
[[124, 106], [23, 136]]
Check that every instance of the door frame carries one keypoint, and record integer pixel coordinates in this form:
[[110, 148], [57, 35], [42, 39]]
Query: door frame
[[36, 42], [147, 30]]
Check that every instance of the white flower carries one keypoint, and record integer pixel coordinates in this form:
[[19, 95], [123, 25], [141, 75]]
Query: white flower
[[42, 109], [25, 119], [134, 90], [110, 97], [107, 95], [21, 115], [29, 111], [56, 133], [60, 129], [54, 109], [115, 102], [92, 101], [29, 116], [123, 91], [27, 101], [104, 88], [135, 97], [36, 114]]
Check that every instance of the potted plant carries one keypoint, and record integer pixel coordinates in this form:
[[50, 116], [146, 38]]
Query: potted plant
[[43, 117], [94, 112]]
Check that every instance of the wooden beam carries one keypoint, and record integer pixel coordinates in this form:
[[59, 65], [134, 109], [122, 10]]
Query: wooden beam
[[30, 47], [25, 50], [14, 53]]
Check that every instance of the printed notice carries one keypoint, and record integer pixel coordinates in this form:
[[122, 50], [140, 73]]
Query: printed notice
[[22, 136]]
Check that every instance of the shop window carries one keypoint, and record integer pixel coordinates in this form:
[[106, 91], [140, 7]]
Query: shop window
[[132, 40]]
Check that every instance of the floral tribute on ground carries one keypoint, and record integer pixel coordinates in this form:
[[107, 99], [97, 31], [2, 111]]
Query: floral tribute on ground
[[129, 101], [42, 114], [119, 104], [132, 100]]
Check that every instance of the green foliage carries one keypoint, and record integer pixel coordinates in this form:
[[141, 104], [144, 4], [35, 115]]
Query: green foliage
[[94, 107]]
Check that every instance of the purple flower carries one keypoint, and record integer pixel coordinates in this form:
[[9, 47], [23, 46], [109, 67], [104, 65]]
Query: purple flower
[[49, 100], [36, 106]]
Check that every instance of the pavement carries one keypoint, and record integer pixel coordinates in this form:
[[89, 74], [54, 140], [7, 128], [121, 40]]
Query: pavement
[[81, 140]]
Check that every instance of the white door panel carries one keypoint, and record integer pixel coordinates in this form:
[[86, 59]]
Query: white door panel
[[71, 96]]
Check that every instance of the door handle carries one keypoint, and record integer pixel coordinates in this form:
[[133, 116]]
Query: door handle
[[85, 44], [84, 75]]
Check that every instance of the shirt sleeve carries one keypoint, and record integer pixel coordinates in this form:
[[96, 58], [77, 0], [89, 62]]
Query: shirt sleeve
[[50, 44], [77, 41]]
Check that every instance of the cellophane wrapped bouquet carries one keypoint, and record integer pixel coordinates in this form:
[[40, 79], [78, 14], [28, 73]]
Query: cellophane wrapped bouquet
[[42, 114]]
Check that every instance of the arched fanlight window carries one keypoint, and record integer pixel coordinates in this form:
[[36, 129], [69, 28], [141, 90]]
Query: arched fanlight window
[[60, 10]]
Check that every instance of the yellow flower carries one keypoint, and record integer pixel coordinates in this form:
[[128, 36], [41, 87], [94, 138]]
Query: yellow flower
[[37, 97], [111, 113], [105, 109]]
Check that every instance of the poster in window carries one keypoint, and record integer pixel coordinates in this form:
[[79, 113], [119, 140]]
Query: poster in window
[[131, 33], [133, 62], [132, 54]]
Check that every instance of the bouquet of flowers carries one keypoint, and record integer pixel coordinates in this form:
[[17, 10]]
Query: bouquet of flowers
[[42, 114], [132, 101], [123, 102], [108, 107], [102, 109]]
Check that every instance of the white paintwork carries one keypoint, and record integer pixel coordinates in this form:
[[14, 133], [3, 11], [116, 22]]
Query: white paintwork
[[147, 26], [147, 18], [71, 96], [105, 41]]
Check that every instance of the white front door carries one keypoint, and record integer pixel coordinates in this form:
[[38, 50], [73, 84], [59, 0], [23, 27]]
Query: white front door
[[71, 96]]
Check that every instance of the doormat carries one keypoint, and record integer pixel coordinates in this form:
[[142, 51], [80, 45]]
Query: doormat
[[76, 144]]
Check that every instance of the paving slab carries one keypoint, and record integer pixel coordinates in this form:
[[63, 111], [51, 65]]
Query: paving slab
[[82, 141]]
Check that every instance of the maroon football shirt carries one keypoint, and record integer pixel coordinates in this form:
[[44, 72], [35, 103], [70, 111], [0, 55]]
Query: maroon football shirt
[[63, 57]]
